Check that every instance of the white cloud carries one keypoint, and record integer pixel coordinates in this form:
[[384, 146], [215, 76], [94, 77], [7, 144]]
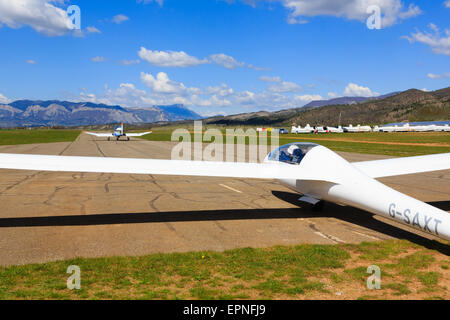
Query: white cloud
[[226, 61], [162, 83], [92, 30], [182, 59], [98, 59], [308, 98], [392, 11], [285, 86], [29, 61], [438, 76], [118, 19], [447, 3], [223, 90], [41, 15], [169, 58], [353, 90], [333, 95], [438, 44], [4, 100], [162, 90]]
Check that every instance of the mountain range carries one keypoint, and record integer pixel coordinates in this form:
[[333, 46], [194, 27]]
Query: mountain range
[[346, 100], [407, 106], [410, 105], [64, 113]]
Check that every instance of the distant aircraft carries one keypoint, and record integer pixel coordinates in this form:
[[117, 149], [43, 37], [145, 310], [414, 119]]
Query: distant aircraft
[[413, 128], [358, 128], [118, 132], [321, 130], [314, 171], [299, 129], [335, 130], [444, 127]]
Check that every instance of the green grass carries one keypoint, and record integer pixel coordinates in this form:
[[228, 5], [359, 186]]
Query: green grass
[[14, 137], [398, 288], [286, 272], [421, 143]]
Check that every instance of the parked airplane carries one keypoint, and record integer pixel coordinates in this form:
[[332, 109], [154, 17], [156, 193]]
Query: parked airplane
[[321, 130], [299, 129], [309, 169], [396, 128], [358, 128], [444, 127], [119, 132], [413, 128], [335, 130]]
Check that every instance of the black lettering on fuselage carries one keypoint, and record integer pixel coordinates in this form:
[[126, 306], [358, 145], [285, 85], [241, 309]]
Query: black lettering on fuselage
[[437, 222], [406, 214], [392, 210], [427, 221], [416, 220]]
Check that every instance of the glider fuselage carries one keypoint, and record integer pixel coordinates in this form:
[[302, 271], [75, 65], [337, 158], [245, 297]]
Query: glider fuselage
[[340, 182]]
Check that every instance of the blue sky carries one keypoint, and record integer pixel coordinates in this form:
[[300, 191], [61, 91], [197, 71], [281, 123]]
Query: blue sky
[[221, 57]]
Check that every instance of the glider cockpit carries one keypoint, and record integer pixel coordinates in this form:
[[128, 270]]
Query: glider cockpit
[[292, 153]]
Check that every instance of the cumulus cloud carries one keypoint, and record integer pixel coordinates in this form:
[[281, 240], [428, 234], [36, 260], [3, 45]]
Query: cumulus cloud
[[169, 58], [182, 59], [226, 61], [447, 3], [285, 86], [118, 19], [438, 76], [41, 15], [392, 11], [29, 61], [162, 84], [354, 90], [333, 95], [4, 100], [308, 98], [439, 44], [162, 90]]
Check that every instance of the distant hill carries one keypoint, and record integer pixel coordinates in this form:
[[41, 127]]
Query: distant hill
[[346, 100], [410, 105], [65, 113]]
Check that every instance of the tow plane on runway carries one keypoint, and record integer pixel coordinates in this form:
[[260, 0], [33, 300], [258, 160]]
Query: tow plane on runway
[[314, 171], [119, 132]]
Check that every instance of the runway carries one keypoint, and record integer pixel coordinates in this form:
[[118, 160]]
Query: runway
[[48, 216]]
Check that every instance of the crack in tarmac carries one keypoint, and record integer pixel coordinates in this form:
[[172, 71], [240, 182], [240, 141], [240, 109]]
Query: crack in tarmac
[[99, 149], [334, 239], [52, 195], [28, 177]]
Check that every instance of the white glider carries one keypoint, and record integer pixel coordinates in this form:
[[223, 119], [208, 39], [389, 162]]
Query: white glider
[[118, 132], [310, 169], [299, 129], [357, 129]]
